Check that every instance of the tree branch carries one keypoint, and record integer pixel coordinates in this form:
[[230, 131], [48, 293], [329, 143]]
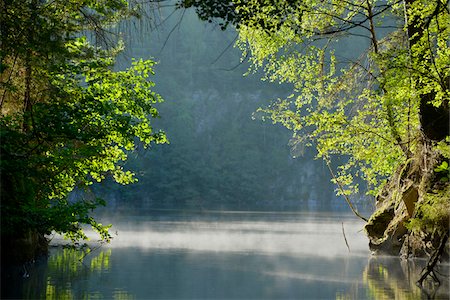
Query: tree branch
[[341, 188]]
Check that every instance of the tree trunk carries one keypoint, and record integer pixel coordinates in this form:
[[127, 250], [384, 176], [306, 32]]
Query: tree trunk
[[434, 120]]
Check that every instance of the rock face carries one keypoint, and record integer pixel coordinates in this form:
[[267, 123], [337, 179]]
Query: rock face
[[398, 203], [385, 228]]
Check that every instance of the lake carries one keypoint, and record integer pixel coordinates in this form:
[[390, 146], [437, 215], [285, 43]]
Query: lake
[[226, 255]]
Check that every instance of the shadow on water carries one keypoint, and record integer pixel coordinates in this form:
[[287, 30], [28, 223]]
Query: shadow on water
[[235, 257]]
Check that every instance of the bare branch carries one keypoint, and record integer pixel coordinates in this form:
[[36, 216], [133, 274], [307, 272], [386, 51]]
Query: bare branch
[[177, 25], [225, 50]]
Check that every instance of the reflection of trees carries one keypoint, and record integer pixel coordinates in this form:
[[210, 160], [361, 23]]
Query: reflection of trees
[[68, 274], [66, 267], [394, 278]]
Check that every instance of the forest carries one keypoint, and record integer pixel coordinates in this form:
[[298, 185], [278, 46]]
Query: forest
[[221, 154], [78, 114]]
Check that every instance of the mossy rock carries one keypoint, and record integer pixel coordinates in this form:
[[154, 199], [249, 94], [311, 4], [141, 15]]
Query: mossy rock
[[379, 222]]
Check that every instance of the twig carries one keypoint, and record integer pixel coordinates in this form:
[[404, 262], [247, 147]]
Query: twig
[[177, 25], [225, 50], [345, 238], [341, 188]]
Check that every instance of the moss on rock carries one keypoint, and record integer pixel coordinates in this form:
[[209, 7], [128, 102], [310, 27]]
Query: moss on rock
[[412, 211]]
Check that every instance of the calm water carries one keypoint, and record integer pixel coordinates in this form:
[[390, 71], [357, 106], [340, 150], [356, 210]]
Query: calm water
[[227, 256]]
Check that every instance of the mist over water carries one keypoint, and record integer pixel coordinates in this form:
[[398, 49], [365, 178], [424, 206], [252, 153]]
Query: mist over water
[[305, 236]]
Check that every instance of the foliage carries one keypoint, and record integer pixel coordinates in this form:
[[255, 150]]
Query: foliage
[[68, 119], [432, 213], [239, 12], [365, 107], [444, 169], [210, 9]]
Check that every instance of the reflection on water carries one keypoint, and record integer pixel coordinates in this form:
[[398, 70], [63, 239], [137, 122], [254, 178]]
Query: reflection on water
[[393, 278], [293, 256]]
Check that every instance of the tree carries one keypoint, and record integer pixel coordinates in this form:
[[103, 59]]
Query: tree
[[67, 118], [371, 88]]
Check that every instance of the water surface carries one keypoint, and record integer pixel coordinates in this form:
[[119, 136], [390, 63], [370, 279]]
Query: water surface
[[228, 256]]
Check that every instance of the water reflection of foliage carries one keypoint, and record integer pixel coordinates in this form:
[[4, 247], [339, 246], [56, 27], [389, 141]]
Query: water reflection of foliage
[[354, 292], [101, 261], [385, 283], [69, 270], [122, 295], [392, 278], [68, 261]]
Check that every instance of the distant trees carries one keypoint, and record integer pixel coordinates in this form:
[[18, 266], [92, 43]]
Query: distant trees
[[67, 118], [218, 157]]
